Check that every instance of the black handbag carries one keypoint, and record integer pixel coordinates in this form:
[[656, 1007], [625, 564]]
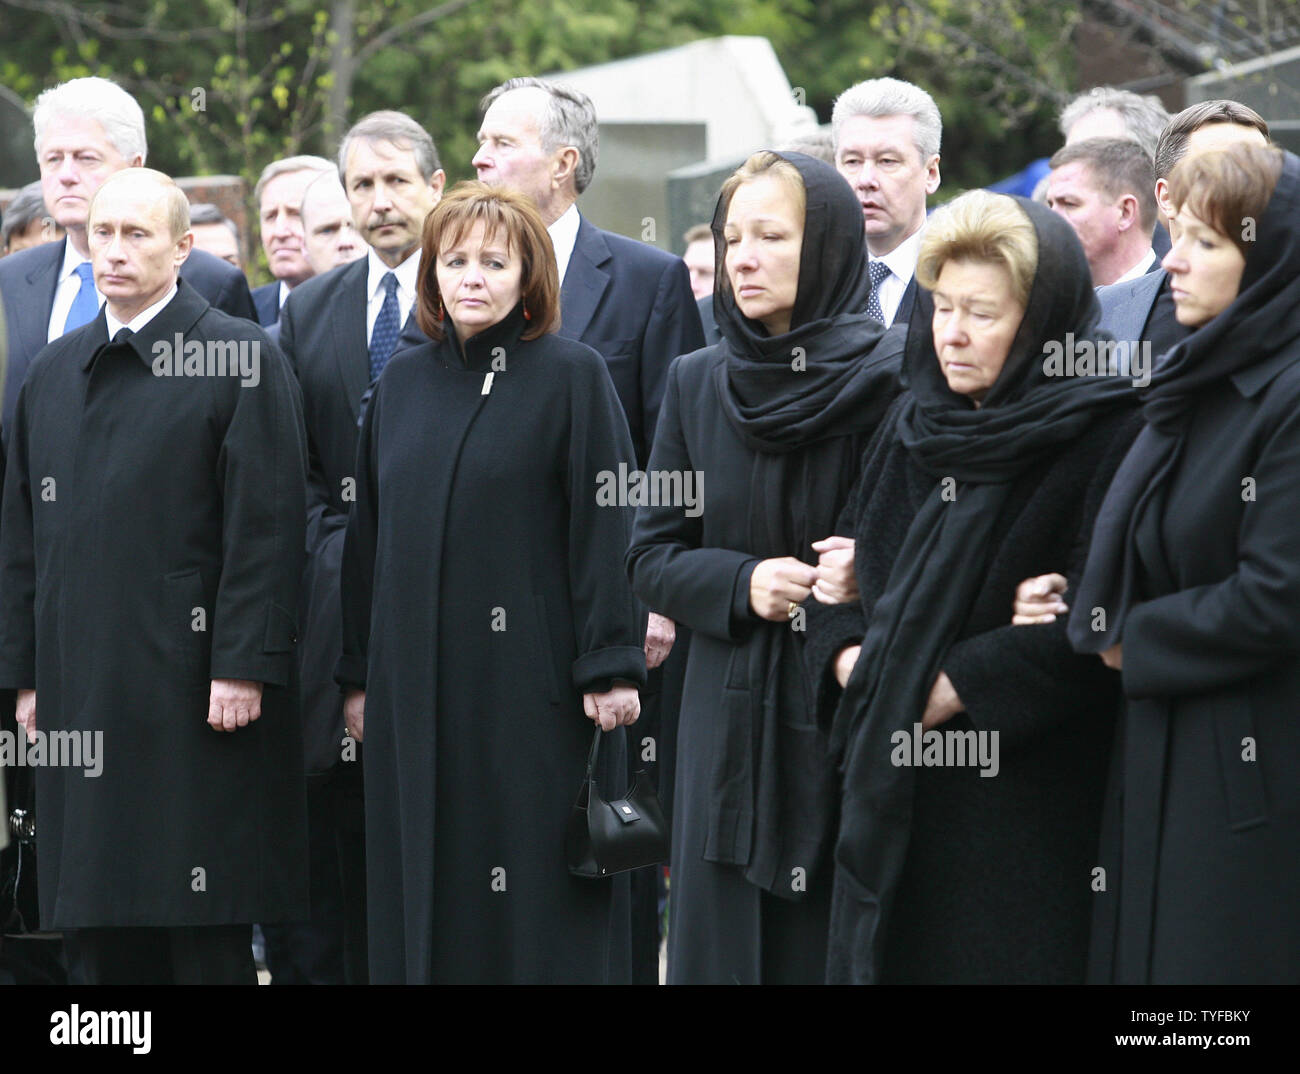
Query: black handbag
[[603, 837], [18, 912]]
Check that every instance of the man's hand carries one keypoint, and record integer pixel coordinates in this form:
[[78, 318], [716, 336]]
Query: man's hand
[[354, 713], [618, 707], [776, 584], [1039, 600], [660, 633], [1113, 657], [943, 704], [837, 582], [234, 703], [844, 662], [25, 713]]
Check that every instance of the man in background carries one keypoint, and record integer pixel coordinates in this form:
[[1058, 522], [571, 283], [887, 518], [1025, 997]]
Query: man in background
[[27, 222], [278, 194]]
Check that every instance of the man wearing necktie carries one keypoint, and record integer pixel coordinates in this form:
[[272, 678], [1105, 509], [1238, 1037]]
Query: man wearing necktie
[[338, 330], [152, 517], [887, 135], [86, 130]]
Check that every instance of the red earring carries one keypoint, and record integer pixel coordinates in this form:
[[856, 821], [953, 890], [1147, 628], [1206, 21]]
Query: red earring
[[527, 316], [440, 308]]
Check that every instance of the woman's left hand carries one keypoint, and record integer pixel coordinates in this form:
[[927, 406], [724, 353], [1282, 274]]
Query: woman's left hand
[[1114, 657], [944, 703], [618, 707]]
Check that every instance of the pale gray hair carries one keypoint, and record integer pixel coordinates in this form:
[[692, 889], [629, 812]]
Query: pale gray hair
[[28, 205], [286, 165], [1144, 117], [891, 97], [107, 103], [395, 127], [569, 119]]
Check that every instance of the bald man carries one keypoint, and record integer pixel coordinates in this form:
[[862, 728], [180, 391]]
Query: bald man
[[153, 517]]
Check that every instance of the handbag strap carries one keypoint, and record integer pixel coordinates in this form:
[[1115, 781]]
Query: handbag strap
[[591, 756]]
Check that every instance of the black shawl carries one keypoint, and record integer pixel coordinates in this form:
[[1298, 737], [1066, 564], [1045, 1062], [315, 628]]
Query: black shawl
[[974, 456], [803, 402], [1260, 322]]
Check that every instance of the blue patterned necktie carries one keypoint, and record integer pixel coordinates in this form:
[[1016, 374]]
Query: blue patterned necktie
[[383, 338], [85, 306], [879, 271]]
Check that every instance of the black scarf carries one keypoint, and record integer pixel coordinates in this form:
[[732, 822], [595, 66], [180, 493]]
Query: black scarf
[[1262, 321], [803, 403], [974, 455]]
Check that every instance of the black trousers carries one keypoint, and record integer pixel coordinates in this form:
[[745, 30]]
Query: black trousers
[[207, 954], [331, 947]]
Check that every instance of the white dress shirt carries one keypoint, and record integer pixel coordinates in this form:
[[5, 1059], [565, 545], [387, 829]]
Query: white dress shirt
[[65, 292], [140, 319], [284, 294], [564, 235], [901, 261], [407, 273], [1140, 269]]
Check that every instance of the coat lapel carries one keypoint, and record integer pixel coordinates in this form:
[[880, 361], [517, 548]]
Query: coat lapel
[[351, 351], [42, 281], [584, 281]]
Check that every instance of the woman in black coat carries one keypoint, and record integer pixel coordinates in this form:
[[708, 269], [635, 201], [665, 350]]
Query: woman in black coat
[[773, 419], [973, 751], [1192, 590], [484, 608]]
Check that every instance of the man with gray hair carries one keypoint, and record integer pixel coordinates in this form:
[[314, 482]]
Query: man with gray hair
[[27, 222], [887, 136], [338, 330], [329, 236], [214, 232], [278, 194], [1107, 112], [86, 130], [628, 301]]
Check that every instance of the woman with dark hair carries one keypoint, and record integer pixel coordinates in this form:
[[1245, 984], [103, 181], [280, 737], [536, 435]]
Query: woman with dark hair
[[1192, 591], [774, 418], [973, 752], [485, 609]]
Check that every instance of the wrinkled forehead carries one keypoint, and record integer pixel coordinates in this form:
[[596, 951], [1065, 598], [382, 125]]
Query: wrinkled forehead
[[518, 112]]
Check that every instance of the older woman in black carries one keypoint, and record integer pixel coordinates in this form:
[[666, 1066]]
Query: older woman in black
[[1192, 590], [774, 419], [485, 609], [973, 751]]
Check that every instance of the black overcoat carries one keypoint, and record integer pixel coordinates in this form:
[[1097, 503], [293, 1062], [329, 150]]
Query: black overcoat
[[723, 929], [483, 594], [1202, 834], [997, 882], [152, 541]]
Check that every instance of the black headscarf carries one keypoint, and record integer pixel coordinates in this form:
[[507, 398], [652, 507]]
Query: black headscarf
[[974, 455], [1261, 322], [804, 403]]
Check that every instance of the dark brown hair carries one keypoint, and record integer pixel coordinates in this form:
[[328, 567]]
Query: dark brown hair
[[1116, 166], [499, 210], [1228, 187], [1172, 146]]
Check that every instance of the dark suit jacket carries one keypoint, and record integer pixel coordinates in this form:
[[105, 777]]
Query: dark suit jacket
[[266, 300], [632, 303], [28, 280], [710, 326], [322, 331]]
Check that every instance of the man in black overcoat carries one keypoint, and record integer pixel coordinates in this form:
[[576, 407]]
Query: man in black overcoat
[[151, 546]]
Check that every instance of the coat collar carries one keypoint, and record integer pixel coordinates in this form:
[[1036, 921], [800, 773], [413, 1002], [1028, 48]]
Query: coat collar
[[1254, 379], [178, 316], [585, 280]]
